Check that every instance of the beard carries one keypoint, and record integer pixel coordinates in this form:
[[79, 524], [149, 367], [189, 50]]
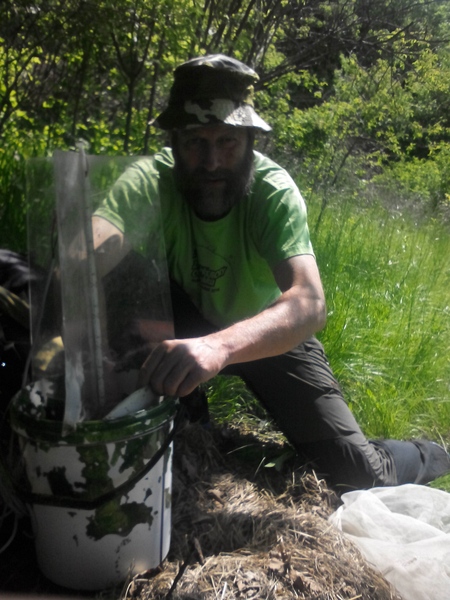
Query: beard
[[212, 201]]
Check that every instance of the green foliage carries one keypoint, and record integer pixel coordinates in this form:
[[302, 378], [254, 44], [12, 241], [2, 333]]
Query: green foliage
[[228, 397], [351, 93], [428, 179]]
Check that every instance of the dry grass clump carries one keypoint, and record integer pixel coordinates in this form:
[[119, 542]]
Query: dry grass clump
[[244, 533]]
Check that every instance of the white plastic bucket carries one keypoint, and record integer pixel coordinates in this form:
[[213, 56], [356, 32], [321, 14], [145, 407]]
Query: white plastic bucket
[[98, 513]]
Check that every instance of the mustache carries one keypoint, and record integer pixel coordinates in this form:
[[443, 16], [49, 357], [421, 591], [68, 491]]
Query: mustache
[[202, 174]]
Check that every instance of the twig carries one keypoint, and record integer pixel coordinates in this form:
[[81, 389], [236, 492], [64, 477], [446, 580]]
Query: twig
[[179, 575]]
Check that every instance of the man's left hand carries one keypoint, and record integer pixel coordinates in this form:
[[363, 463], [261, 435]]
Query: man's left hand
[[177, 367]]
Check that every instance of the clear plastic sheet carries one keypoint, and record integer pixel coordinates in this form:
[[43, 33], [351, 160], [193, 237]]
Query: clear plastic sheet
[[90, 335]]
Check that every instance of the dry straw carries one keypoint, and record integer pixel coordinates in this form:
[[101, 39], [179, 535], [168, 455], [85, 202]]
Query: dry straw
[[241, 533]]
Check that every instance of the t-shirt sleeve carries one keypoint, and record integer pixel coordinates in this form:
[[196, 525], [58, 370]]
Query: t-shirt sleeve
[[132, 204], [280, 227]]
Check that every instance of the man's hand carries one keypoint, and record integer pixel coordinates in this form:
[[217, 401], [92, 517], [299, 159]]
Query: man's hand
[[177, 367]]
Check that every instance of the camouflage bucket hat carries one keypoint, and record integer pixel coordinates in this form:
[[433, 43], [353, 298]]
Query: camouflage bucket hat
[[210, 90]]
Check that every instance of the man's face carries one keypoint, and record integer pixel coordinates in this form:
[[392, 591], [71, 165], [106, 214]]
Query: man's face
[[213, 167]]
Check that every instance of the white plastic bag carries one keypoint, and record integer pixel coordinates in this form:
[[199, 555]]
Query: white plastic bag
[[403, 531]]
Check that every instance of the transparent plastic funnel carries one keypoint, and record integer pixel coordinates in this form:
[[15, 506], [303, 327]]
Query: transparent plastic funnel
[[90, 335]]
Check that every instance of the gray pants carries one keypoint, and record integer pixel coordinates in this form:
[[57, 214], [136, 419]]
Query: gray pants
[[300, 392]]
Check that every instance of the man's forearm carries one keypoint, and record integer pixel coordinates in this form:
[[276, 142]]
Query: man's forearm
[[291, 320], [177, 367]]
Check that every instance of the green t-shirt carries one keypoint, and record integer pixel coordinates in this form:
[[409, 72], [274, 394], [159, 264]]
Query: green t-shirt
[[225, 266]]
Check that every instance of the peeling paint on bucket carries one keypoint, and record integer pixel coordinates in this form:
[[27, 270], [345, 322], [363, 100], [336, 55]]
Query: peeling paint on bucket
[[82, 543]]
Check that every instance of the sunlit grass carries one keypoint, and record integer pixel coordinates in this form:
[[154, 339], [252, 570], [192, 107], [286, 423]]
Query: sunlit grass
[[387, 282]]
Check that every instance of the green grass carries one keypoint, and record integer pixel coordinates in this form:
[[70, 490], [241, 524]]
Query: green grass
[[387, 283]]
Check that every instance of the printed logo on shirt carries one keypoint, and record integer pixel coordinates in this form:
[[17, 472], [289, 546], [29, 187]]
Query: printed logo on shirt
[[206, 277]]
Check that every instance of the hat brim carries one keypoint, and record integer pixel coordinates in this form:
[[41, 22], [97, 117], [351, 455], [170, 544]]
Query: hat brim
[[210, 112]]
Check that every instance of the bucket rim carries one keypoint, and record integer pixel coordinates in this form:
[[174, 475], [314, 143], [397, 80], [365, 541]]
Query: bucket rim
[[92, 431], [83, 502]]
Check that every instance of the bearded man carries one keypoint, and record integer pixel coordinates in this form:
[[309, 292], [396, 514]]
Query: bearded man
[[246, 291]]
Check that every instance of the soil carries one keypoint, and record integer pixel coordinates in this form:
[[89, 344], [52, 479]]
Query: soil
[[242, 529]]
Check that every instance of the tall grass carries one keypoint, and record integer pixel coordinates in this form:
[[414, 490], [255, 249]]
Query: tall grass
[[387, 281]]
